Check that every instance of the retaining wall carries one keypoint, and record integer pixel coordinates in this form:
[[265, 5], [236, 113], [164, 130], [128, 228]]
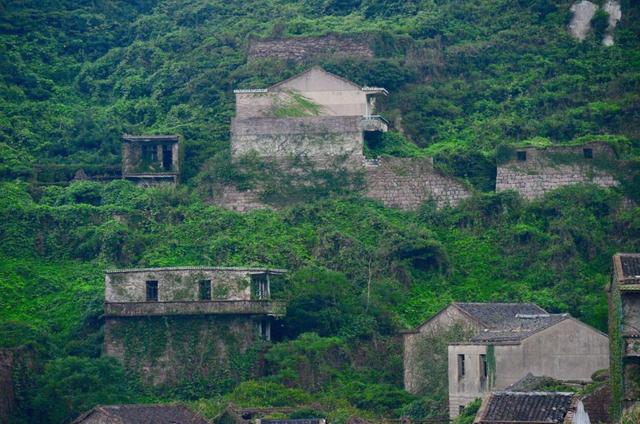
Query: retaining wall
[[305, 47]]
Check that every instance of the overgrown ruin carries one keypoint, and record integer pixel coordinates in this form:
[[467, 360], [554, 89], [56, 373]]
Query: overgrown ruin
[[151, 159], [171, 325]]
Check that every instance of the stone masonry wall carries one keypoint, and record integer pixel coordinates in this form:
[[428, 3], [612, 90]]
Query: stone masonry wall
[[551, 168], [303, 48], [407, 182], [317, 138]]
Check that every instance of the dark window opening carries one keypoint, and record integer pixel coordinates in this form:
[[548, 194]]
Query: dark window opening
[[260, 286], [461, 369], [149, 154], [152, 291], [205, 290], [373, 144], [588, 153], [483, 371], [167, 158], [521, 155], [461, 408], [265, 329]]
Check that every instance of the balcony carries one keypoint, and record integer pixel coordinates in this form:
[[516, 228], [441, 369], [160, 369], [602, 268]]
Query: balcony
[[217, 307], [374, 123]]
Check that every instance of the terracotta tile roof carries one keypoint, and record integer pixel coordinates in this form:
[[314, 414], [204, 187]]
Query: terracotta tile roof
[[526, 407], [144, 414]]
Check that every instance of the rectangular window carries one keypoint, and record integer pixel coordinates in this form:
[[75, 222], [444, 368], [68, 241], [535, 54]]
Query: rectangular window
[[152, 291], [483, 372], [521, 155], [460, 366], [205, 290], [260, 287], [588, 153], [483, 366], [265, 329]]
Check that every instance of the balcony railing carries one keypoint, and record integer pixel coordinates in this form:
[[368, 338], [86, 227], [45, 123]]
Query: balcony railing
[[216, 307]]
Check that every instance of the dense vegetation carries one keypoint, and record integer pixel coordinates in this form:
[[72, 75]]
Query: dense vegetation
[[464, 77]]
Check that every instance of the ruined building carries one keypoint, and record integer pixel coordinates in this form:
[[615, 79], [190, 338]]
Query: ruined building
[[502, 342], [534, 171], [301, 48], [624, 331], [326, 119], [180, 324], [151, 159]]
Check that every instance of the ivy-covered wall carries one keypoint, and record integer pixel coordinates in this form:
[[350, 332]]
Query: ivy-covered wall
[[165, 351]]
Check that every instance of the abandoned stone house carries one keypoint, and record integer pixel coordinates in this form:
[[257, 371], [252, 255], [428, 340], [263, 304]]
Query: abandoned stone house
[[499, 343], [624, 328], [535, 171], [327, 119], [151, 159], [177, 324]]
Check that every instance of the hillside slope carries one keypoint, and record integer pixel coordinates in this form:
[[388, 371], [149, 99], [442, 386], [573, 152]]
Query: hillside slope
[[464, 77]]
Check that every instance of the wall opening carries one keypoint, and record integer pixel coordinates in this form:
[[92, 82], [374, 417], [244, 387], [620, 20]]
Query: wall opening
[[461, 368], [483, 371], [372, 143], [260, 287], [205, 290], [149, 153], [265, 328], [521, 155], [152, 291], [588, 153], [167, 157]]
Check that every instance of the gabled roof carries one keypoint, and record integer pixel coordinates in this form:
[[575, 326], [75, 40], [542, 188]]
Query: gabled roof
[[526, 407], [144, 414], [626, 268], [519, 328], [315, 69], [498, 315]]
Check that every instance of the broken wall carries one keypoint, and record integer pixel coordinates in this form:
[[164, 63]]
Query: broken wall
[[544, 170], [301, 48]]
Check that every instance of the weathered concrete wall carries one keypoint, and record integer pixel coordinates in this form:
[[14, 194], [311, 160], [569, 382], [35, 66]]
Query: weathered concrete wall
[[465, 389], [307, 47], [569, 350], [547, 169], [438, 325], [166, 350], [317, 138], [406, 183], [177, 284]]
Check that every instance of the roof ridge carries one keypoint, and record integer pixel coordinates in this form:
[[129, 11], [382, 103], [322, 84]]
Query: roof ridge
[[314, 67]]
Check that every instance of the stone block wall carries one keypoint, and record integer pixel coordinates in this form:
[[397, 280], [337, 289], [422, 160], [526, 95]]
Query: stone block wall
[[230, 197], [306, 47], [407, 182], [317, 138], [547, 169]]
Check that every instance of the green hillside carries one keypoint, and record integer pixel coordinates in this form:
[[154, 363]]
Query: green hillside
[[464, 77]]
